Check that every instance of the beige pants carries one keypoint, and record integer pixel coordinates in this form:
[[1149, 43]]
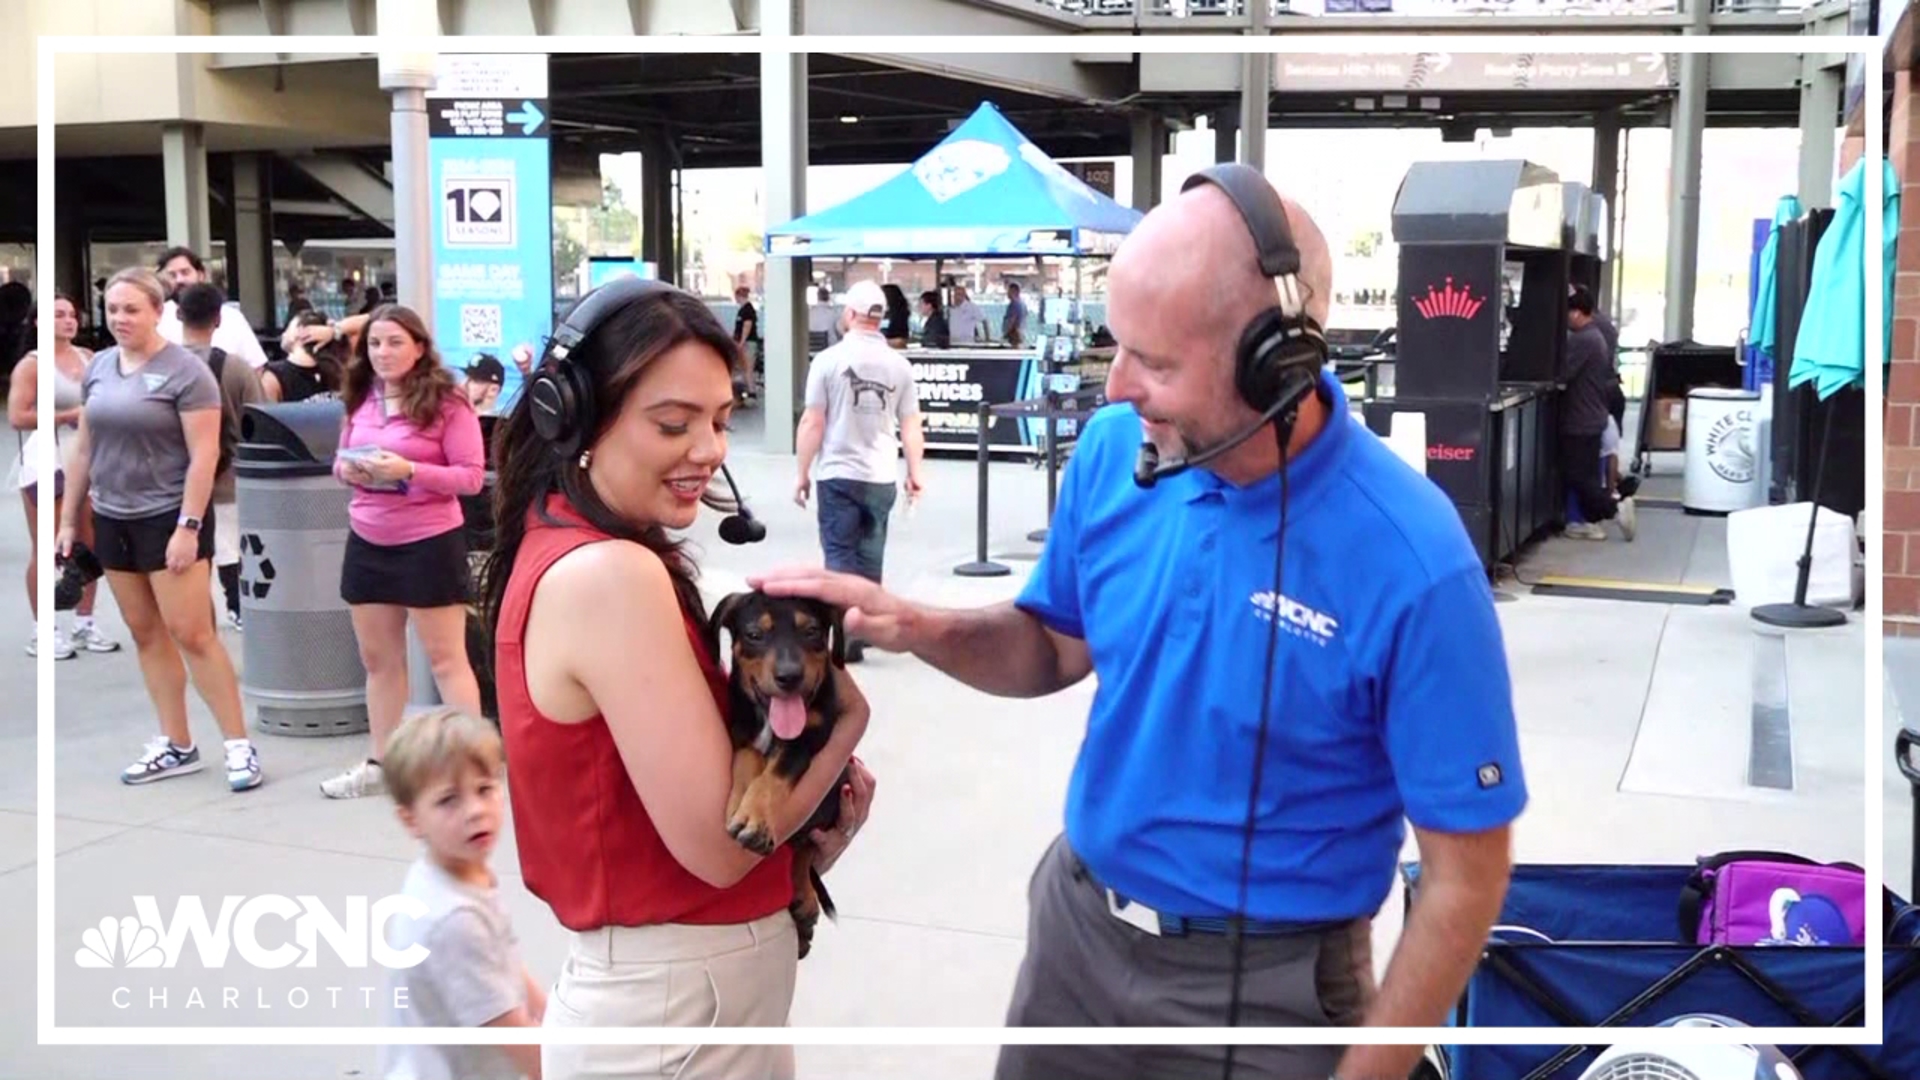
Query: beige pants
[[740, 975]]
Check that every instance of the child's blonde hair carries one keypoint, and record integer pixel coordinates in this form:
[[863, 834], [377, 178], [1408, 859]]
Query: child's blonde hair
[[431, 745]]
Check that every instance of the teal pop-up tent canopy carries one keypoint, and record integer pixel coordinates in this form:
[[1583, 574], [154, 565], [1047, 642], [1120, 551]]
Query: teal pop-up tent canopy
[[984, 191]]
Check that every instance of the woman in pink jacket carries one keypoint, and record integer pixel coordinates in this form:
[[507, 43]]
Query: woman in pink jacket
[[410, 448]]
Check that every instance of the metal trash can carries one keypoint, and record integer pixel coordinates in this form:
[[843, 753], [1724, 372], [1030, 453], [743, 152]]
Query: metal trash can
[[300, 661], [1722, 471]]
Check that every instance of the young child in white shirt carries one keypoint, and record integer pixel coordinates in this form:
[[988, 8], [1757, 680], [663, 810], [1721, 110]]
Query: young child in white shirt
[[443, 770]]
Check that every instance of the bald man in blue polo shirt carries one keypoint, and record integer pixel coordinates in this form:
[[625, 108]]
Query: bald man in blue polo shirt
[[1390, 696]]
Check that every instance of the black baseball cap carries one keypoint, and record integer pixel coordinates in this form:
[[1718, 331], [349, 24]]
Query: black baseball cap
[[487, 368]]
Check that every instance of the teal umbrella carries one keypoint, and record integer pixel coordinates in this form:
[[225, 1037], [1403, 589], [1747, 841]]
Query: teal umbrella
[[1831, 348], [1785, 211]]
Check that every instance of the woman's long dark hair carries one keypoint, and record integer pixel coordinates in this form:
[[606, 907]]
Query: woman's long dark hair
[[422, 390], [527, 471], [327, 362]]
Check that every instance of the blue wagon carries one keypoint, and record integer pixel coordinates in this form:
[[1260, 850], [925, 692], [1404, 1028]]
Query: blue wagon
[[1597, 946]]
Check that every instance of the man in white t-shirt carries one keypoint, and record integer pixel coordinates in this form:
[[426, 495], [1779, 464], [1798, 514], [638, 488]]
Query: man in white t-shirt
[[860, 392], [964, 318], [181, 269]]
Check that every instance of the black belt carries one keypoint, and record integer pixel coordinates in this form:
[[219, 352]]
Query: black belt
[[1161, 924]]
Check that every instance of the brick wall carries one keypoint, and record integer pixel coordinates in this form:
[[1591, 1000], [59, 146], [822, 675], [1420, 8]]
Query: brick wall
[[1902, 525]]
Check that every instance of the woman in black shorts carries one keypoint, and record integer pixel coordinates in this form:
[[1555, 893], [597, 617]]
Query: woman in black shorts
[[410, 447], [148, 443]]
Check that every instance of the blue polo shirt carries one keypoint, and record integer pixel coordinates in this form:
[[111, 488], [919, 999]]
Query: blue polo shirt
[[1391, 698]]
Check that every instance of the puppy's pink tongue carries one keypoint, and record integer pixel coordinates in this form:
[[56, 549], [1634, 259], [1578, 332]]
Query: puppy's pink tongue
[[788, 715]]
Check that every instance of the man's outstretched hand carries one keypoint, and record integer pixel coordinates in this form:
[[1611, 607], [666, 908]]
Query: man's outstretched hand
[[874, 615]]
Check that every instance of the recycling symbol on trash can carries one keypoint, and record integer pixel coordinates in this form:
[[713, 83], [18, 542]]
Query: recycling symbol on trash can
[[257, 585]]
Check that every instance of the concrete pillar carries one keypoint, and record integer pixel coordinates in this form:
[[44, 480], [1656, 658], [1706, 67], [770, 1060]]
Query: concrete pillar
[[250, 259], [783, 157], [1606, 183], [656, 204], [1226, 131], [1820, 90], [183, 153], [70, 252], [1256, 82], [1683, 214], [1149, 138], [408, 78]]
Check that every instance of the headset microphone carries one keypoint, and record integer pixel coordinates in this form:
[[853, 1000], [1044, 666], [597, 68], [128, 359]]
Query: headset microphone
[[1147, 470], [740, 527]]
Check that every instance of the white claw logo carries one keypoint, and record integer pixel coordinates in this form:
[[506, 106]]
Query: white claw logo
[[137, 944]]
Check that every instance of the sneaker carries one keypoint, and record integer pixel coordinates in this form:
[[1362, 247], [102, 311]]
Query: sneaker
[[243, 766], [365, 778], [62, 645], [232, 621], [1585, 530], [162, 759], [91, 639], [1628, 520]]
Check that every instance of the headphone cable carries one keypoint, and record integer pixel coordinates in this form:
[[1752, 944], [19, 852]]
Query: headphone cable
[[1282, 432]]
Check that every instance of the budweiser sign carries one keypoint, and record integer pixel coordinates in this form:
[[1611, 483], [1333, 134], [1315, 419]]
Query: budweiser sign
[[1448, 302]]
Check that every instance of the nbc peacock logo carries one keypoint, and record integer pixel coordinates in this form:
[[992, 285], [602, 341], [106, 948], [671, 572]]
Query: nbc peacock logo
[[1449, 302], [123, 942]]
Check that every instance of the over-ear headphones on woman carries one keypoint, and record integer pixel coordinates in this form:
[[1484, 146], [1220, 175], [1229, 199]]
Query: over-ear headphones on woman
[[560, 391]]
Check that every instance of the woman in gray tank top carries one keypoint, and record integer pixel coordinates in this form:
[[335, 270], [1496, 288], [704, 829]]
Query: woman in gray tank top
[[148, 444], [23, 412]]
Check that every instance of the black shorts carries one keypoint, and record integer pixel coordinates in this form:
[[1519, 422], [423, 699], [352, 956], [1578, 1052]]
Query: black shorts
[[427, 573], [139, 545]]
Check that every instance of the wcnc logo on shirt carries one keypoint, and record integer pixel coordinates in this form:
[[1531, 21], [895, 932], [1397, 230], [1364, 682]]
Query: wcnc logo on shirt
[[1295, 617], [145, 940]]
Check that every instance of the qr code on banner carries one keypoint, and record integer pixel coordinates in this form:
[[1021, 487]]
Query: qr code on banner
[[480, 324]]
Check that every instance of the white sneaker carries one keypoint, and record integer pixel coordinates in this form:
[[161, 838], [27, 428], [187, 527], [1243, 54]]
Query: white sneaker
[[62, 645], [364, 778], [243, 765], [1628, 520], [91, 639]]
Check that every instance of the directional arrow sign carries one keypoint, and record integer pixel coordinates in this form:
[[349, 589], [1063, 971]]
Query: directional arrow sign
[[1440, 61], [529, 118]]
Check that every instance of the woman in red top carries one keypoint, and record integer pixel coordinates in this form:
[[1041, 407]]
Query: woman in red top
[[610, 707]]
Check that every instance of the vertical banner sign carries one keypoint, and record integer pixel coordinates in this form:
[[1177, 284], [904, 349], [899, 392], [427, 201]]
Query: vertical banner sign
[[491, 175]]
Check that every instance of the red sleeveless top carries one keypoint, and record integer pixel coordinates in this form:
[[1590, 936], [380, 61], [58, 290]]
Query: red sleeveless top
[[587, 845]]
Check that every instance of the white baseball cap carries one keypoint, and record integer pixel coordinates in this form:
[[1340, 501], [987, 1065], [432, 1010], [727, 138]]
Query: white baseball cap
[[865, 298]]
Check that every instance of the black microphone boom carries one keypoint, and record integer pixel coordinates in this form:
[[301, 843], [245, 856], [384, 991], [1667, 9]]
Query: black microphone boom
[[741, 527], [1147, 470]]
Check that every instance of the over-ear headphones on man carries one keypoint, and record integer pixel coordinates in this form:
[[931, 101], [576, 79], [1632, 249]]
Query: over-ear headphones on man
[[1281, 350], [560, 391], [1283, 336]]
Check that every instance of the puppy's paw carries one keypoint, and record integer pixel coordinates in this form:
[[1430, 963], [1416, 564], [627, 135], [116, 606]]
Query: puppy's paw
[[754, 835]]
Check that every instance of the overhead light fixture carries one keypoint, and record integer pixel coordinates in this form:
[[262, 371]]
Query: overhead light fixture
[[849, 118]]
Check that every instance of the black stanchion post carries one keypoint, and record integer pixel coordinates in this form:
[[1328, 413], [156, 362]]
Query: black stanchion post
[[982, 566], [1798, 615], [1052, 401]]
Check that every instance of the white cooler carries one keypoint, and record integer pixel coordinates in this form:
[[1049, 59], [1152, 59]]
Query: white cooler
[[1723, 451], [1763, 551]]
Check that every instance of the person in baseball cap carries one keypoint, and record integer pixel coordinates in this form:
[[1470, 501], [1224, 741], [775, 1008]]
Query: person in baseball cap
[[865, 300], [485, 376]]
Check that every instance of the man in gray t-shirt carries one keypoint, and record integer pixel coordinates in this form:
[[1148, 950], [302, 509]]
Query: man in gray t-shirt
[[138, 467], [858, 391]]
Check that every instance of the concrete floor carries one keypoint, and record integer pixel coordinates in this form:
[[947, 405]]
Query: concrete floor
[[1634, 720]]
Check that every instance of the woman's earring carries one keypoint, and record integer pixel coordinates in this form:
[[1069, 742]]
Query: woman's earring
[[586, 459]]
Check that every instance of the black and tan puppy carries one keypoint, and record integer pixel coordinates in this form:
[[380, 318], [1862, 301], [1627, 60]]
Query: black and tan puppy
[[781, 708]]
